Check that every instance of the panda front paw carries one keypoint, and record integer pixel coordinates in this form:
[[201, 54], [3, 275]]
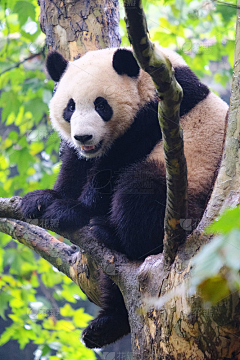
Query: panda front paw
[[35, 203], [65, 214]]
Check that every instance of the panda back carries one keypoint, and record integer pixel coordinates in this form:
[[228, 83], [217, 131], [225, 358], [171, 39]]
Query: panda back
[[203, 133]]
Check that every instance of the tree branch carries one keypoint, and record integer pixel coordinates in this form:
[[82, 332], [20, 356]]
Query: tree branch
[[81, 266], [170, 95], [56, 252]]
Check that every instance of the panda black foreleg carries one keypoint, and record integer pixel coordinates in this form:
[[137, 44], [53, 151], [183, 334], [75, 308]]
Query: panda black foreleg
[[67, 189], [52, 210], [67, 214], [112, 322], [36, 202]]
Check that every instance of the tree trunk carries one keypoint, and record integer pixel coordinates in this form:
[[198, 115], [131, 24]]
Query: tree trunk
[[171, 324], [75, 27]]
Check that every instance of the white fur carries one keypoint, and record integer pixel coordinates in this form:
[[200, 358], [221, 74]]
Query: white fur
[[90, 77], [86, 79]]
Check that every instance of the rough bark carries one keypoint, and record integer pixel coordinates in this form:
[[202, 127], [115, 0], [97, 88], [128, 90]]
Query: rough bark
[[76, 27]]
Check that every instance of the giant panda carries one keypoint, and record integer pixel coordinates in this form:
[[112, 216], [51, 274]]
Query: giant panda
[[112, 176]]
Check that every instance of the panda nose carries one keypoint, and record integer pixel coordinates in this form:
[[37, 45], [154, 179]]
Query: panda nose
[[83, 138]]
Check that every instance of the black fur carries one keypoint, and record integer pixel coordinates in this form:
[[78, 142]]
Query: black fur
[[56, 65], [138, 208], [122, 195], [193, 90], [137, 212], [69, 110], [88, 194], [103, 108], [112, 321], [35, 203], [93, 182], [125, 63]]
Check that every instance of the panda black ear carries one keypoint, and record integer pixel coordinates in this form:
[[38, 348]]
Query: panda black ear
[[56, 65], [125, 63]]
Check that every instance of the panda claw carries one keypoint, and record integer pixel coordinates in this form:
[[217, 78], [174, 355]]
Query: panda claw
[[34, 203]]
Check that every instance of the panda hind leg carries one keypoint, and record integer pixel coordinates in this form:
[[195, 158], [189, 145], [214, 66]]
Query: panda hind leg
[[112, 322]]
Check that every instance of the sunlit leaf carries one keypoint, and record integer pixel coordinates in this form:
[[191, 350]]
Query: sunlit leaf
[[228, 221], [24, 9], [214, 289]]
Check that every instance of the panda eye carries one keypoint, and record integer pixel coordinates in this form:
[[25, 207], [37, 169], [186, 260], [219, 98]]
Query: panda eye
[[100, 104], [71, 105], [100, 107], [69, 110], [103, 108]]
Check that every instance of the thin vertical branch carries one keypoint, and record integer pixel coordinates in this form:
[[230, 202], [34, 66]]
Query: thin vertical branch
[[170, 94]]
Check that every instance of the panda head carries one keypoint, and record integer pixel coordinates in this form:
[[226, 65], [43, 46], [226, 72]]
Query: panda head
[[97, 98]]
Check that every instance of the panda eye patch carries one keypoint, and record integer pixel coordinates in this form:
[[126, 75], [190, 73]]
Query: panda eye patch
[[69, 110], [103, 108]]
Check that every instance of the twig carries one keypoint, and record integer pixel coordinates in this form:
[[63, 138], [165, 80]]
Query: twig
[[16, 65]]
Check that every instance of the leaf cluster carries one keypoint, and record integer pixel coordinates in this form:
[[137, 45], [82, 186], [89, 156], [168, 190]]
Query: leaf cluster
[[203, 32]]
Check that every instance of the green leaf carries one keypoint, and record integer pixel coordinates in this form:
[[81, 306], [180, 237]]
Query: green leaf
[[4, 300], [227, 12], [24, 9], [67, 310], [37, 108], [231, 250], [229, 220], [214, 289], [80, 318], [6, 335]]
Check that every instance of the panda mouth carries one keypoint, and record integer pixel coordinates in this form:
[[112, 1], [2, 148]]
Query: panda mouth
[[91, 149]]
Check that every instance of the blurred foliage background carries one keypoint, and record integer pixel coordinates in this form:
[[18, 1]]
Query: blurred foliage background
[[41, 309]]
